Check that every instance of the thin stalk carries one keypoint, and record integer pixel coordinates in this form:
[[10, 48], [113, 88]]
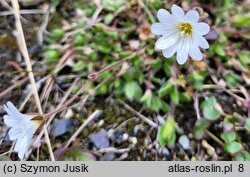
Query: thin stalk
[[23, 47]]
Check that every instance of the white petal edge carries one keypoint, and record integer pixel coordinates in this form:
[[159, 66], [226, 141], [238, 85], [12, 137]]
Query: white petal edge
[[203, 43], [177, 11], [169, 52], [201, 28], [167, 40], [16, 132], [164, 16], [11, 122], [12, 108], [192, 16], [158, 29], [182, 51], [195, 53]]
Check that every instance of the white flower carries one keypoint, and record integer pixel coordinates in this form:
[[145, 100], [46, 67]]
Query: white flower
[[23, 127], [181, 33]]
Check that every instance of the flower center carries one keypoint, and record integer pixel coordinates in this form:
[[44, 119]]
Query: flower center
[[185, 28]]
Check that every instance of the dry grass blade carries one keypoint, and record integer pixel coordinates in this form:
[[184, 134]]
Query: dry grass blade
[[23, 47]]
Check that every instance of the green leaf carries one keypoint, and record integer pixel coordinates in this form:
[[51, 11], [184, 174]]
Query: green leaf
[[166, 134], [4, 158], [228, 136], [241, 20], [108, 18], [79, 66], [239, 157], [184, 97], [165, 106], [76, 155], [220, 51], [247, 124], [233, 147], [132, 90], [175, 95], [232, 79], [58, 33], [198, 132], [156, 104], [80, 40], [209, 111], [112, 5], [165, 89], [52, 55]]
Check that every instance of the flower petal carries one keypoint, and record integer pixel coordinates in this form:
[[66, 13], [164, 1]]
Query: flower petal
[[8, 120], [23, 147], [158, 29], [169, 52], [201, 41], [167, 40], [164, 16], [183, 50], [15, 133], [177, 11], [195, 53], [202, 28], [192, 16], [12, 108]]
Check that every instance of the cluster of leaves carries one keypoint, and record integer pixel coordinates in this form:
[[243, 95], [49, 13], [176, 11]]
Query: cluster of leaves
[[148, 79]]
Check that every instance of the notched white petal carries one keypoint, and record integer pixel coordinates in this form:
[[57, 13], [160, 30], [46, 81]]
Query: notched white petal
[[192, 16], [12, 108], [195, 53], [166, 41], [169, 52], [202, 28], [183, 50], [158, 29], [164, 16], [15, 133], [177, 11], [202, 42]]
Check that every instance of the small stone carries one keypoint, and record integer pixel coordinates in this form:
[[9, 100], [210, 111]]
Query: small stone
[[133, 140], [184, 141], [165, 151], [100, 139], [100, 123], [125, 137]]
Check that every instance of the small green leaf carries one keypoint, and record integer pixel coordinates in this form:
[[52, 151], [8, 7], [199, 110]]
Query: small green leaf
[[219, 50], [80, 40], [132, 90], [79, 66], [166, 134], [175, 95], [209, 111], [108, 18], [228, 136], [239, 157], [155, 104], [52, 55], [247, 124], [232, 79], [58, 33], [233, 147], [165, 89], [241, 20]]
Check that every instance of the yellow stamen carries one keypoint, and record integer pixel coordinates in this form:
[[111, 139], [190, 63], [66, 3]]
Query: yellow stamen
[[185, 28], [37, 123]]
